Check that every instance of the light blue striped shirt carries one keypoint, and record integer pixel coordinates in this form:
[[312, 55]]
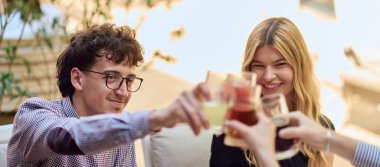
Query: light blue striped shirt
[[366, 155]]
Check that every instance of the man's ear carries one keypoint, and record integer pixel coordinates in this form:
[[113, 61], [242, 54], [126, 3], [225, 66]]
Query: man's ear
[[76, 77]]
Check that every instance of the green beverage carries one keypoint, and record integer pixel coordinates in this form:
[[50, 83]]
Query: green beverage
[[215, 111]]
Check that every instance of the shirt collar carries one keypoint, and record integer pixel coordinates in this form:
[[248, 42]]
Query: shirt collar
[[69, 108]]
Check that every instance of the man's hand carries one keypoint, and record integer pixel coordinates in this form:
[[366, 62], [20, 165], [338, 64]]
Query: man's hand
[[186, 108]]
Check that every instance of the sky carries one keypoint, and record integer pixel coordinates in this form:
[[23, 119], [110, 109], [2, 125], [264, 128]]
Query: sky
[[217, 30]]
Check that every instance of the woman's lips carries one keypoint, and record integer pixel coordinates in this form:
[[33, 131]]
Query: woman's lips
[[271, 86]]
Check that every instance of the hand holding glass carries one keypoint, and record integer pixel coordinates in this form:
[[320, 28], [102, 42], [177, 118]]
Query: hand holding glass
[[275, 107]]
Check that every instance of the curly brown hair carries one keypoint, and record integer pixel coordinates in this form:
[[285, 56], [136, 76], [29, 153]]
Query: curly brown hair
[[119, 43]]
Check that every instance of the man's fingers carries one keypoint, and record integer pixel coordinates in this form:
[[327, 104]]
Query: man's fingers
[[198, 109], [201, 91], [191, 113], [191, 99], [180, 113]]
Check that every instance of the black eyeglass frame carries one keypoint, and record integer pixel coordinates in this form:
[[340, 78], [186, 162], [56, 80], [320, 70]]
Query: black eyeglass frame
[[121, 82]]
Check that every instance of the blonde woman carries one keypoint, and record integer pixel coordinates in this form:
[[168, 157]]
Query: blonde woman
[[277, 53]]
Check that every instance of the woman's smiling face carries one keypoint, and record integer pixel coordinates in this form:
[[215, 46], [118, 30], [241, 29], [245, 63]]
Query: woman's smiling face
[[273, 71]]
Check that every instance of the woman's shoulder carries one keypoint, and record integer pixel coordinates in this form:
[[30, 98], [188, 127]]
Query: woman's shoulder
[[326, 122]]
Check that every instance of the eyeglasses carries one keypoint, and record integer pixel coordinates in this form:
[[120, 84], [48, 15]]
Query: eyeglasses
[[115, 80]]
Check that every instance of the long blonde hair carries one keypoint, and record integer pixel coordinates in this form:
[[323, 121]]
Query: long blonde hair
[[283, 35]]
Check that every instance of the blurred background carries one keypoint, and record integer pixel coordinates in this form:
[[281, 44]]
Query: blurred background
[[185, 38]]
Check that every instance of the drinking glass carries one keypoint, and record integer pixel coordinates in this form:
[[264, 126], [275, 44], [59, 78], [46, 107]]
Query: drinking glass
[[242, 105], [216, 107], [275, 107]]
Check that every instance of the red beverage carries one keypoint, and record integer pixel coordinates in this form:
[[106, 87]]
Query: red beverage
[[242, 109], [247, 117], [242, 94], [282, 144]]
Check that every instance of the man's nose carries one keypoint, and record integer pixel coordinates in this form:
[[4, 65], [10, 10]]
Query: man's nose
[[123, 90]]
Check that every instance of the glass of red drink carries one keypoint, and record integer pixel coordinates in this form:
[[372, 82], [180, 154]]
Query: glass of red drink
[[243, 92]]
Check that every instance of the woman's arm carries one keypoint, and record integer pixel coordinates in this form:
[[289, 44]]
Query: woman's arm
[[316, 136]]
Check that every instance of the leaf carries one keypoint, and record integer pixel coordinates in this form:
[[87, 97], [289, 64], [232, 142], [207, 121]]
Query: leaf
[[149, 3], [12, 97], [7, 85], [55, 22], [27, 65], [10, 49], [18, 89], [46, 38], [12, 59], [21, 92], [26, 93], [10, 7], [1, 92], [30, 10]]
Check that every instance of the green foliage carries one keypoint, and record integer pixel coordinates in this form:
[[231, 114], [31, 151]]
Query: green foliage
[[10, 87], [29, 10], [8, 83]]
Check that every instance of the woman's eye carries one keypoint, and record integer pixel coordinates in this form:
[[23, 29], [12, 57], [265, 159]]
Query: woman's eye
[[280, 64], [257, 65]]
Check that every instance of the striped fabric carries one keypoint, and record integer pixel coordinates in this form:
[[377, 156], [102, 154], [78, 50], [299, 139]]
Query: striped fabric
[[366, 155], [50, 133]]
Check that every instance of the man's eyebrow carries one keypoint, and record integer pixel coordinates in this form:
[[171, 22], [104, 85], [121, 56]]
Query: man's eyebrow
[[112, 71], [131, 75], [117, 72]]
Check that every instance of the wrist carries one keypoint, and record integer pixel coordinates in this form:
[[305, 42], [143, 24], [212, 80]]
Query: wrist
[[266, 157], [154, 121], [328, 136]]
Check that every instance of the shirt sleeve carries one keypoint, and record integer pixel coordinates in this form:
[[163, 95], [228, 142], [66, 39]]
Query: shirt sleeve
[[42, 130], [366, 155], [99, 133]]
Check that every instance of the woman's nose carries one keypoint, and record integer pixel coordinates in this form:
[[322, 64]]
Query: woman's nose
[[269, 74]]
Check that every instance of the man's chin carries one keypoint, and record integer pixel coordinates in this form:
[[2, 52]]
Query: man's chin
[[117, 110]]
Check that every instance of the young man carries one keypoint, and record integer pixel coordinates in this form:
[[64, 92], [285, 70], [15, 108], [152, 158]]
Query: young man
[[87, 128]]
